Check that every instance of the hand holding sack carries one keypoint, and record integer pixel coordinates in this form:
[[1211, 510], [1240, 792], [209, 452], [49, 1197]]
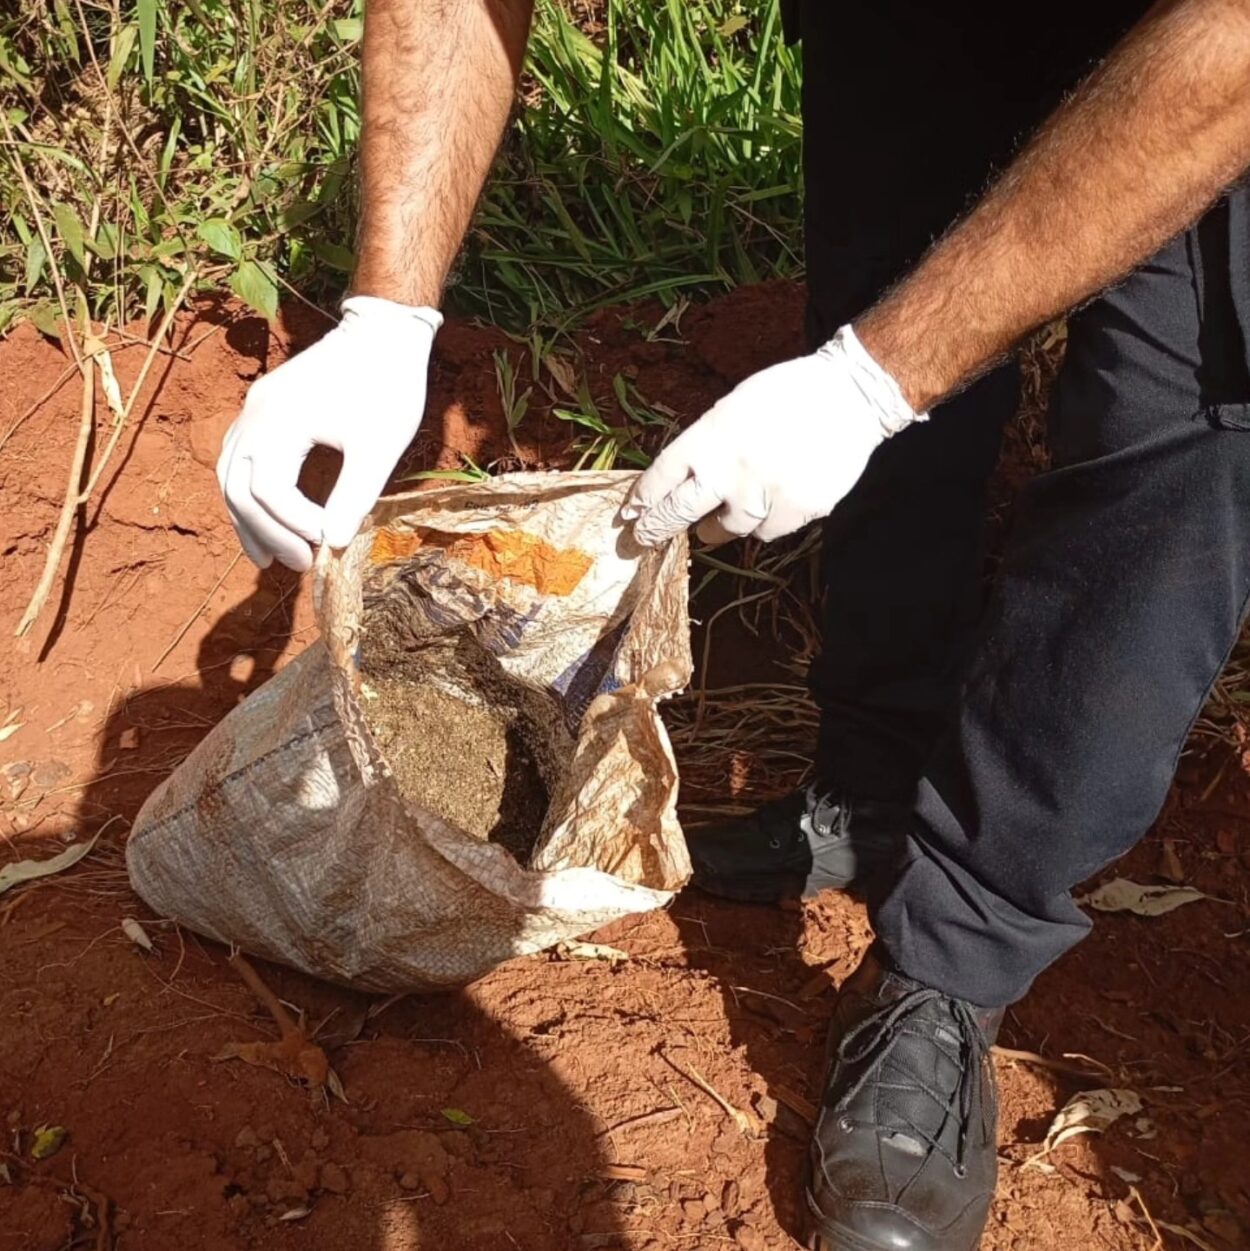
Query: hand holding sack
[[780, 450]]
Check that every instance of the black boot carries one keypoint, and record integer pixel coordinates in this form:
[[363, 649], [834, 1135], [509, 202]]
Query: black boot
[[903, 1157], [807, 842]]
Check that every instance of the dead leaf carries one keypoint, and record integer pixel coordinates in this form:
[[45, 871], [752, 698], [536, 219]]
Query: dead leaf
[[7, 731], [1089, 1112], [108, 379], [6, 1178], [27, 870], [1122, 895], [1129, 1178], [1170, 865], [562, 371], [591, 951], [128, 739], [49, 1139], [295, 1214], [137, 934]]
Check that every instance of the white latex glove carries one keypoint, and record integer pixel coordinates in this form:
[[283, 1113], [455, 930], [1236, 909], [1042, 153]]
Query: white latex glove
[[360, 389], [781, 449]]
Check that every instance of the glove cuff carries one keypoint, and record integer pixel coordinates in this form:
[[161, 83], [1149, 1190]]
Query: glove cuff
[[877, 387], [378, 311]]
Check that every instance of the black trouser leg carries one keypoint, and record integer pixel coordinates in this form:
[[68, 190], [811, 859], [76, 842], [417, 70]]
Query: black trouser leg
[[908, 108], [1123, 591], [901, 565]]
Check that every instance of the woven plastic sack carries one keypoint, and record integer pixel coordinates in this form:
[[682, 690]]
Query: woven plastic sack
[[284, 831]]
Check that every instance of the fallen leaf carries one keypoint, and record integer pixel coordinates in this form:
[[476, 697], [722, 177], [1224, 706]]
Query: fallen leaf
[[295, 1214], [7, 731], [137, 934], [5, 1176], [1089, 1112], [1170, 865], [591, 951], [1129, 1178], [456, 1117], [128, 739], [27, 870], [1121, 895], [109, 1000], [48, 1141]]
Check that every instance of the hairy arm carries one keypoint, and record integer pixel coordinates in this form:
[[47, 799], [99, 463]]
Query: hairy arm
[[1136, 154], [439, 81]]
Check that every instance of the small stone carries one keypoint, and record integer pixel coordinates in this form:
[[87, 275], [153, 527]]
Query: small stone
[[693, 1211], [238, 1204], [410, 1181], [306, 1171], [264, 1153], [439, 1190], [320, 1139], [334, 1179], [285, 1189], [246, 1138], [749, 1238]]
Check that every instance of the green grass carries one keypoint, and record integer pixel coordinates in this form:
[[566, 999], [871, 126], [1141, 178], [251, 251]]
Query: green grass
[[147, 143]]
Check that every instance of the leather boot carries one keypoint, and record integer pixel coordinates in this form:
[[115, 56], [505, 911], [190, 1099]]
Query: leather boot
[[903, 1157], [806, 842]]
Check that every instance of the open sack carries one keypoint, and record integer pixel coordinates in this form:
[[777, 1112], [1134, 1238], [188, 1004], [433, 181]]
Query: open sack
[[286, 831]]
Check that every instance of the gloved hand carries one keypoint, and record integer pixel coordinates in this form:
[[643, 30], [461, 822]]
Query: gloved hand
[[781, 449], [360, 389]]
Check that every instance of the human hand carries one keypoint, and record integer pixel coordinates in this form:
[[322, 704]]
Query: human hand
[[360, 389], [780, 450]]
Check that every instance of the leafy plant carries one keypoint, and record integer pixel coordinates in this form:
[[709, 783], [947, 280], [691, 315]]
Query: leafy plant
[[147, 143]]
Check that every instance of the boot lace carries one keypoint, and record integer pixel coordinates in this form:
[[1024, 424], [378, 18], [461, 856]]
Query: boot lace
[[870, 1042]]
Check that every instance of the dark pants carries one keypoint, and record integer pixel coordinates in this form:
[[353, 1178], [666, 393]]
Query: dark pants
[[1038, 733]]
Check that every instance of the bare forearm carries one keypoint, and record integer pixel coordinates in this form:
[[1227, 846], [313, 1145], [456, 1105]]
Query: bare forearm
[[439, 81], [1133, 158]]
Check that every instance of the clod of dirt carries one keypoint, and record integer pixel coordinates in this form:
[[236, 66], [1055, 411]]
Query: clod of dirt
[[307, 1171], [463, 739], [280, 1189], [334, 1179]]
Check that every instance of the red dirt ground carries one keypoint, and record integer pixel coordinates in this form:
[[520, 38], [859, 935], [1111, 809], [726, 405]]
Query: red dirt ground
[[586, 1128]]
